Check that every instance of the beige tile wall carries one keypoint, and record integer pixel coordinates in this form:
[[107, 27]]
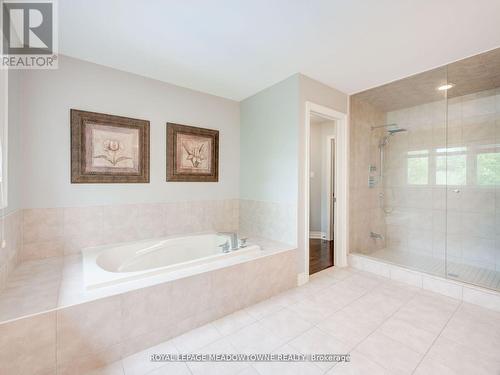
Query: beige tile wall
[[271, 220], [49, 232], [80, 338], [11, 232], [365, 213]]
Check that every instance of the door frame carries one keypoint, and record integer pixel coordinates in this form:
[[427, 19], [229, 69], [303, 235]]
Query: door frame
[[331, 186], [341, 185]]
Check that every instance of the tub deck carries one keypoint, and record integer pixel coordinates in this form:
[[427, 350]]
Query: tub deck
[[48, 284]]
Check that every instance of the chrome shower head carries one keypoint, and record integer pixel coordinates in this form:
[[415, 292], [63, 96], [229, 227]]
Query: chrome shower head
[[391, 131]]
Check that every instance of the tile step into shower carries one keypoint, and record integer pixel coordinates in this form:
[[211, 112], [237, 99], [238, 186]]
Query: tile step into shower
[[462, 291]]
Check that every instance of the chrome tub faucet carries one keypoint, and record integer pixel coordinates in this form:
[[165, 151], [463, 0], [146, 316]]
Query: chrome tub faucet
[[235, 243]]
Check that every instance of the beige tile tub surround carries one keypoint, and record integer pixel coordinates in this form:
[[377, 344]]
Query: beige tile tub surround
[[11, 232], [49, 232], [271, 220], [28, 345], [79, 338], [32, 287]]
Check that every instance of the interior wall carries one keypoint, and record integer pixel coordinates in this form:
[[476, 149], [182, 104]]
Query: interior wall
[[328, 129], [15, 150], [318, 93], [272, 162], [11, 215], [315, 178], [61, 218], [268, 182], [48, 96], [4, 120], [319, 187]]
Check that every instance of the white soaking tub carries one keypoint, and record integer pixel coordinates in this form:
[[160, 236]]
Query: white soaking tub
[[112, 264]]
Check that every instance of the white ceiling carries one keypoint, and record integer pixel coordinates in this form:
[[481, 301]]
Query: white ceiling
[[235, 48]]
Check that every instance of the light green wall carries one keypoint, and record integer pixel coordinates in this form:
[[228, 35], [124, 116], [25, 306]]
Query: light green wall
[[14, 159], [269, 143]]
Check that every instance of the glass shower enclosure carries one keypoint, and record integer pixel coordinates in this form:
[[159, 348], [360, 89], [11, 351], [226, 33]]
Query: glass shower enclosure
[[425, 162]]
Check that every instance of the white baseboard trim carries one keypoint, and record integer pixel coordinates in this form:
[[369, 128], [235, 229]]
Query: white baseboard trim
[[302, 278], [317, 235], [455, 289]]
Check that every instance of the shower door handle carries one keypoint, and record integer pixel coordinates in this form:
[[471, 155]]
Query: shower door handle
[[456, 191]]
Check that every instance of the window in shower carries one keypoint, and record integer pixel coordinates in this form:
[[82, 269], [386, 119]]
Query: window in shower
[[488, 169], [451, 166], [418, 167]]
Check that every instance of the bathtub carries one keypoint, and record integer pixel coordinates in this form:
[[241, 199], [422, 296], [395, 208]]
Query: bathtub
[[113, 264]]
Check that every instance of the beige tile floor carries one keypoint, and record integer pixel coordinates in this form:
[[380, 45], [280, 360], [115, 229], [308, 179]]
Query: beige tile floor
[[387, 327]]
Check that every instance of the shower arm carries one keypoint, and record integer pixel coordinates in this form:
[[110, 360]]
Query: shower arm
[[383, 126]]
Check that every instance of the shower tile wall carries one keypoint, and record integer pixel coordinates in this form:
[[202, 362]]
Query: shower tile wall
[[365, 213], [428, 215]]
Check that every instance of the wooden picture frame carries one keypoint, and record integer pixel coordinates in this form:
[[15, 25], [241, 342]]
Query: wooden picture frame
[[108, 149], [192, 154]]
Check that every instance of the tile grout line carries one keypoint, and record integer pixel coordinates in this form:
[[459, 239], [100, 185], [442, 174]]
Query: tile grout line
[[315, 325], [286, 308], [282, 307], [437, 337], [384, 321], [312, 325], [304, 297]]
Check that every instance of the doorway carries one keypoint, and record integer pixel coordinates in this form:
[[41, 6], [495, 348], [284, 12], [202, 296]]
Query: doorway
[[321, 193], [341, 221]]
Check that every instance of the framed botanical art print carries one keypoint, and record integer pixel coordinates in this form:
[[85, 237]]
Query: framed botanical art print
[[192, 154], [108, 149]]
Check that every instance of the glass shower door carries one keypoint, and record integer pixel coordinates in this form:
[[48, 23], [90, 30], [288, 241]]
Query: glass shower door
[[470, 167], [412, 195]]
